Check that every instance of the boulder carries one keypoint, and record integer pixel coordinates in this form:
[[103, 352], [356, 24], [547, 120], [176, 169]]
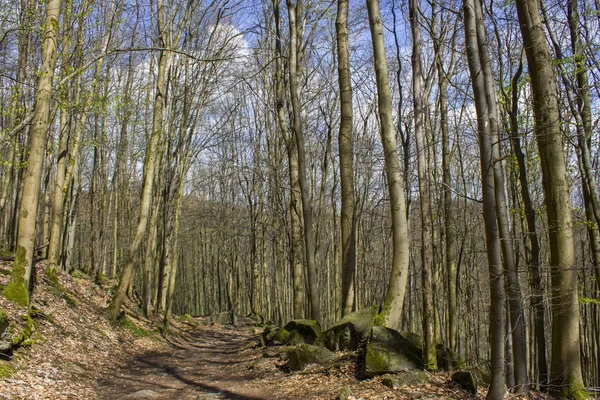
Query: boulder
[[413, 338], [300, 356], [274, 335], [388, 351], [225, 318], [406, 378], [6, 343], [447, 359], [466, 380], [349, 332], [305, 331]]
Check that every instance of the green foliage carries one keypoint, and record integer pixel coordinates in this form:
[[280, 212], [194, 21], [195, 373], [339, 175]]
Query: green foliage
[[587, 300], [16, 290]]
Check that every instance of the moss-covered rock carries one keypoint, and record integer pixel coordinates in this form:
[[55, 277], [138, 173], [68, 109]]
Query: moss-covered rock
[[406, 378], [349, 332], [77, 273], [387, 352], [466, 380], [413, 338], [225, 318], [306, 331], [300, 356], [24, 331], [274, 335], [448, 360], [5, 334]]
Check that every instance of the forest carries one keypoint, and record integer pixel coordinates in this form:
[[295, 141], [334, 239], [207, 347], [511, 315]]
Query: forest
[[306, 159]]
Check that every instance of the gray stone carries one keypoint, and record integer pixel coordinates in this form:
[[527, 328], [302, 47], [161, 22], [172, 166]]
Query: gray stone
[[349, 332], [274, 335], [387, 352], [5, 334], [466, 380], [305, 331], [406, 378], [300, 356], [225, 318], [447, 359]]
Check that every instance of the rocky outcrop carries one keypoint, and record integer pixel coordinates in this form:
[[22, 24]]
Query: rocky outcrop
[[298, 357], [305, 331], [225, 318], [349, 332], [406, 378], [466, 380], [274, 335], [388, 352]]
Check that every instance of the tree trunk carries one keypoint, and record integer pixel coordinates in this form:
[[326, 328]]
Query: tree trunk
[[565, 370], [346, 149], [295, 16], [496, 316], [17, 289], [429, 351], [151, 153], [391, 311]]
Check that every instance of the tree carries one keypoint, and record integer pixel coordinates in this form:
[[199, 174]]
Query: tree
[[17, 289], [492, 237], [152, 152], [347, 220], [391, 310], [294, 64], [429, 353], [565, 368]]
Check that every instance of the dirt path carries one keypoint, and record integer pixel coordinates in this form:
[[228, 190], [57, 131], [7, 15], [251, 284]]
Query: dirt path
[[206, 363]]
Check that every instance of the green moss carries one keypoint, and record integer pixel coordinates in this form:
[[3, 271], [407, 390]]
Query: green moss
[[187, 318], [381, 319], [6, 369], [52, 276], [25, 332], [375, 360], [16, 290], [574, 391], [133, 328]]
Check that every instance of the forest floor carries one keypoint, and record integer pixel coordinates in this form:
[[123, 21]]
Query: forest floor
[[76, 353]]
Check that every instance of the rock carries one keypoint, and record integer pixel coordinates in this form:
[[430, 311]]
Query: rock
[[77, 273], [143, 394], [447, 359], [305, 331], [466, 380], [344, 394], [273, 335], [483, 374], [5, 335], [388, 351], [413, 338], [349, 332], [300, 356], [406, 378], [225, 318]]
